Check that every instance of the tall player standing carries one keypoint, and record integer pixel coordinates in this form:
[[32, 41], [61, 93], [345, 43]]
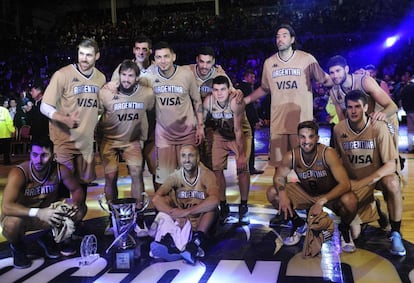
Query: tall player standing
[[71, 103], [288, 76], [178, 110]]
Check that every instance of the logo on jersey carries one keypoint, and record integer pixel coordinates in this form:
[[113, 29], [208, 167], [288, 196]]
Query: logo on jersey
[[312, 174], [128, 105], [39, 190], [85, 89], [168, 89]]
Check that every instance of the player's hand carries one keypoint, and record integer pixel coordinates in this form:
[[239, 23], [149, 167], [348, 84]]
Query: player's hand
[[315, 210], [241, 164], [377, 116], [176, 213], [199, 135], [50, 216], [285, 206], [72, 120], [238, 95], [112, 86]]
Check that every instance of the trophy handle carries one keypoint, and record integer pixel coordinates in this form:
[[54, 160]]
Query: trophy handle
[[100, 198], [145, 202]]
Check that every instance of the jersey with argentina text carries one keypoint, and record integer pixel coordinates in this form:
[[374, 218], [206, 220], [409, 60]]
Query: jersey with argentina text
[[316, 177], [223, 119], [39, 193], [124, 117], [70, 91], [174, 100], [290, 85], [365, 152], [206, 84], [186, 194]]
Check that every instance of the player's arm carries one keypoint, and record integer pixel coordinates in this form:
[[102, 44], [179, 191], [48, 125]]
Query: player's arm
[[161, 199], [255, 95], [15, 185], [70, 120], [340, 175], [206, 107], [381, 97], [386, 169], [238, 115], [76, 192], [279, 182]]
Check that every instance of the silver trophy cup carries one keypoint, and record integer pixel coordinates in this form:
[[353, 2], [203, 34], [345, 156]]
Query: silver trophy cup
[[123, 215]]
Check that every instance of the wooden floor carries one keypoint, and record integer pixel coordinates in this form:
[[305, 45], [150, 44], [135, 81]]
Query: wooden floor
[[259, 184]]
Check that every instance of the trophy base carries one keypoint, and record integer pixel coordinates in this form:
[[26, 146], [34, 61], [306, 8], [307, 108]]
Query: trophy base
[[123, 259]]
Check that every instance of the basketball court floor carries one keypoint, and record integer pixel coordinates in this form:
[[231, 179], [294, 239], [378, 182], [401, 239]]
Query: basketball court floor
[[251, 253]]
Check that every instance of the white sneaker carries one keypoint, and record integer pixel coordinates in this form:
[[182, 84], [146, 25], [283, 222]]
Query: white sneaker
[[292, 240], [348, 247]]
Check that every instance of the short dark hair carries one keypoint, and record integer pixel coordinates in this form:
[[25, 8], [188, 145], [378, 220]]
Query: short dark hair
[[309, 125], [37, 84], [89, 42], [129, 64], [221, 80], [143, 38], [355, 95], [42, 141], [206, 50], [337, 60], [163, 45], [248, 72]]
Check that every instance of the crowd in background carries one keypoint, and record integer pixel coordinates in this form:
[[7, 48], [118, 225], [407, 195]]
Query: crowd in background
[[242, 37]]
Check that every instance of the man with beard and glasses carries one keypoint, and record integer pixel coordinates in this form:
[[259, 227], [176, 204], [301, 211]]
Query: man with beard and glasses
[[31, 189]]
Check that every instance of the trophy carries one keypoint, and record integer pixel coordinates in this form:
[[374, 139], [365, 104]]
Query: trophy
[[123, 215]]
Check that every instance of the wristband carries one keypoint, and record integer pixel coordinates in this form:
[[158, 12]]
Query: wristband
[[33, 212]]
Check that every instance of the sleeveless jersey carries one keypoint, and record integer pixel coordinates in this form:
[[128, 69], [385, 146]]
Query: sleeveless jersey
[[174, 97], [315, 178], [70, 91], [223, 118], [364, 152], [125, 116], [39, 193], [186, 194], [290, 85]]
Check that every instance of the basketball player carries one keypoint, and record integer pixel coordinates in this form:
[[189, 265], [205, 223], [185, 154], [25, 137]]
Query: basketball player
[[370, 158], [205, 71], [30, 190], [71, 102], [232, 134], [187, 201], [178, 110], [322, 181], [124, 128], [288, 76], [142, 51]]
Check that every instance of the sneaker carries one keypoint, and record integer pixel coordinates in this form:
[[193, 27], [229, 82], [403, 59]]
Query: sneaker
[[49, 246], [225, 217], [244, 218], [347, 244], [193, 250], [68, 248], [397, 246], [292, 240], [158, 250], [278, 221], [20, 259]]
